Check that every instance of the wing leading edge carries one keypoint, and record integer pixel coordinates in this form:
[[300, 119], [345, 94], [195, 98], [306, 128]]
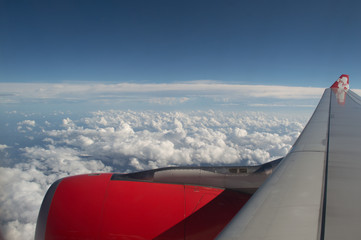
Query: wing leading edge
[[314, 193]]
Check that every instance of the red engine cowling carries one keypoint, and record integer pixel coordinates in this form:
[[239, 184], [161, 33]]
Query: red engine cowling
[[96, 207]]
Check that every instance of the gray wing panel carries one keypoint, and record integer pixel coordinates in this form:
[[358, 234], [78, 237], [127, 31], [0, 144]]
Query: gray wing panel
[[343, 195], [315, 193], [289, 204]]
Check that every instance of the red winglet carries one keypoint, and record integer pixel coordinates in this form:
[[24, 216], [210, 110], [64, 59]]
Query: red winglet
[[342, 82]]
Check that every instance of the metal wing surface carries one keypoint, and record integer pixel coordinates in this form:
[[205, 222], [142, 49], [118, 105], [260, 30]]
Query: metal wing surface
[[315, 193]]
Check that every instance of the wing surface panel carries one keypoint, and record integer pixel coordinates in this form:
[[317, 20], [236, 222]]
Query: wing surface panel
[[289, 204], [343, 195]]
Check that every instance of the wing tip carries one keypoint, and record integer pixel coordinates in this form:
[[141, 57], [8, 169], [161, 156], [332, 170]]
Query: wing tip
[[342, 82]]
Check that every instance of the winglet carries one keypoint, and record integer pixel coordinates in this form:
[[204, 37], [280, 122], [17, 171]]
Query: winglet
[[342, 82]]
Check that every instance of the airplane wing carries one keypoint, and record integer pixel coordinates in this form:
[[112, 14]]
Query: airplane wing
[[315, 192], [312, 193]]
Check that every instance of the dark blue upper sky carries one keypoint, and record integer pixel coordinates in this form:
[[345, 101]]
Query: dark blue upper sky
[[298, 43]]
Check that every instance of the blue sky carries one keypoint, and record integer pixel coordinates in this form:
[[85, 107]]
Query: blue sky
[[295, 43]]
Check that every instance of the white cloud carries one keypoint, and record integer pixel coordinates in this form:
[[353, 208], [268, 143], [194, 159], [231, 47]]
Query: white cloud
[[168, 100], [281, 105], [18, 230], [3, 147], [30, 123], [19, 200], [68, 122], [162, 139], [184, 91], [26, 125], [240, 132]]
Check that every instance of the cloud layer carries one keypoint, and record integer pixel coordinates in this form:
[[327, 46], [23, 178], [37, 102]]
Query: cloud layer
[[125, 141], [203, 94], [48, 90]]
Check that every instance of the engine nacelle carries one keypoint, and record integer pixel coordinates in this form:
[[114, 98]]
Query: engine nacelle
[[95, 206]]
